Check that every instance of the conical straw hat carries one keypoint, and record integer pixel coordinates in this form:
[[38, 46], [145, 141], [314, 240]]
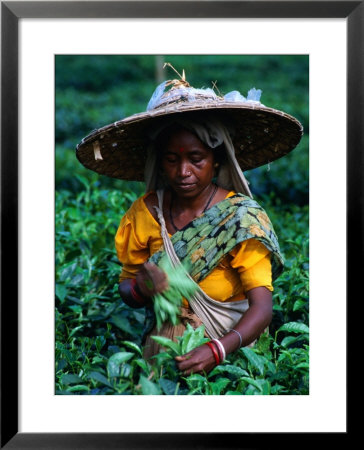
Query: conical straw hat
[[260, 134]]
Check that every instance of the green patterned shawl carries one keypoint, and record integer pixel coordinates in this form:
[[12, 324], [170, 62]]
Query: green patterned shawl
[[202, 243]]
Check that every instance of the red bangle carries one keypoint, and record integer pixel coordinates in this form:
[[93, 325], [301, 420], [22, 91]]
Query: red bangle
[[134, 292], [214, 351], [221, 356]]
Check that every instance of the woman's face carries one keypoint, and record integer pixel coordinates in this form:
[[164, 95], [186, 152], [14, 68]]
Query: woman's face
[[188, 164]]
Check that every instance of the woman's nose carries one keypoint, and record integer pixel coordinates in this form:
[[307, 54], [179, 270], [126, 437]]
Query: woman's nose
[[184, 170]]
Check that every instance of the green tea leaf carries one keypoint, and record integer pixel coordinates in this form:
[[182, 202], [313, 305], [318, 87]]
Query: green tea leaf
[[67, 271], [74, 331], [194, 342], [122, 387], [263, 343], [187, 335], [76, 308], [168, 386], [142, 363], [193, 391], [254, 359], [266, 386], [302, 365], [192, 338], [122, 323], [115, 361], [294, 327], [288, 340], [100, 342], [77, 280], [125, 370], [148, 387], [61, 291], [97, 376], [133, 346], [74, 213], [230, 369], [70, 378], [165, 342], [219, 385], [78, 387], [277, 389], [299, 304], [254, 383], [196, 377], [97, 359]]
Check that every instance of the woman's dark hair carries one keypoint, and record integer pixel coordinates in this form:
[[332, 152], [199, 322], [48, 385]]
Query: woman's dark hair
[[164, 137]]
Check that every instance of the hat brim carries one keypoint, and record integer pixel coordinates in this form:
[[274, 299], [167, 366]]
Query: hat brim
[[262, 135]]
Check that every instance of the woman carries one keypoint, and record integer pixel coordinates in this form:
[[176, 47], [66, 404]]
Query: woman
[[199, 206]]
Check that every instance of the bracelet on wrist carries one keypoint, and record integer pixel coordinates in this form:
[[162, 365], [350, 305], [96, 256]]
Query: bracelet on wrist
[[214, 352], [221, 348], [135, 292], [240, 337]]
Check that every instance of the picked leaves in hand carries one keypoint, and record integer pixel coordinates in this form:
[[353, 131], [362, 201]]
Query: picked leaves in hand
[[167, 304]]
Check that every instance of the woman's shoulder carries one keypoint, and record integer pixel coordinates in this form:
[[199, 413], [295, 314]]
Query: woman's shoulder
[[149, 200], [142, 211], [140, 218], [140, 206]]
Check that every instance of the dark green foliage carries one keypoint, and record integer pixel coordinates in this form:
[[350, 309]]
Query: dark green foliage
[[95, 90], [98, 349], [293, 169], [100, 73]]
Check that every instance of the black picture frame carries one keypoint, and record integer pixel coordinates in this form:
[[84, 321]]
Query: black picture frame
[[11, 13]]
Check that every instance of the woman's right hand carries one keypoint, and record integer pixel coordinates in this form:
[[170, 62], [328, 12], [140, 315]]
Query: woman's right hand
[[151, 280]]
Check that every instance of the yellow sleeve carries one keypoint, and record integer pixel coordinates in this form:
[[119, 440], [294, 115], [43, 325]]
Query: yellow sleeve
[[137, 237], [252, 261], [130, 250]]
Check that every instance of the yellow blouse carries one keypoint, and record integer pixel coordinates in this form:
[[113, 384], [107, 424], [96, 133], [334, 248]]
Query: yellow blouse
[[247, 266]]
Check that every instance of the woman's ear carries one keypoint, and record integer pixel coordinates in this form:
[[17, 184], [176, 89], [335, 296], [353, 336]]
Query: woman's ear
[[216, 169]]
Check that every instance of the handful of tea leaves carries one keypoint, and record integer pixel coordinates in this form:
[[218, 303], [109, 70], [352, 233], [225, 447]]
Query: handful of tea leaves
[[167, 304]]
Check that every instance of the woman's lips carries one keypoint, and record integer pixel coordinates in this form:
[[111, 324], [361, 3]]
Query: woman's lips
[[185, 186]]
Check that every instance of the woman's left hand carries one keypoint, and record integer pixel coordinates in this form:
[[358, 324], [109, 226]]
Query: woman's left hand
[[151, 280], [199, 360]]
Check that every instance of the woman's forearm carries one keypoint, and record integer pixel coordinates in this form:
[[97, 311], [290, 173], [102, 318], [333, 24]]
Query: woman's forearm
[[249, 327], [254, 321]]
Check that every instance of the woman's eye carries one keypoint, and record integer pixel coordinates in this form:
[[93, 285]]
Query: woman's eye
[[170, 158]]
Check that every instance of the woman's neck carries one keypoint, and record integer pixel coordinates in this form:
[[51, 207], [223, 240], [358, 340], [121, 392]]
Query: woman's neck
[[178, 215], [197, 203]]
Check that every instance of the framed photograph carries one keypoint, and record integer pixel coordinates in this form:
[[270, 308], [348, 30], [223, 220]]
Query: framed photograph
[[32, 33]]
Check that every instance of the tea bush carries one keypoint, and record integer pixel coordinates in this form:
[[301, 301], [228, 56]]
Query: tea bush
[[98, 346]]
